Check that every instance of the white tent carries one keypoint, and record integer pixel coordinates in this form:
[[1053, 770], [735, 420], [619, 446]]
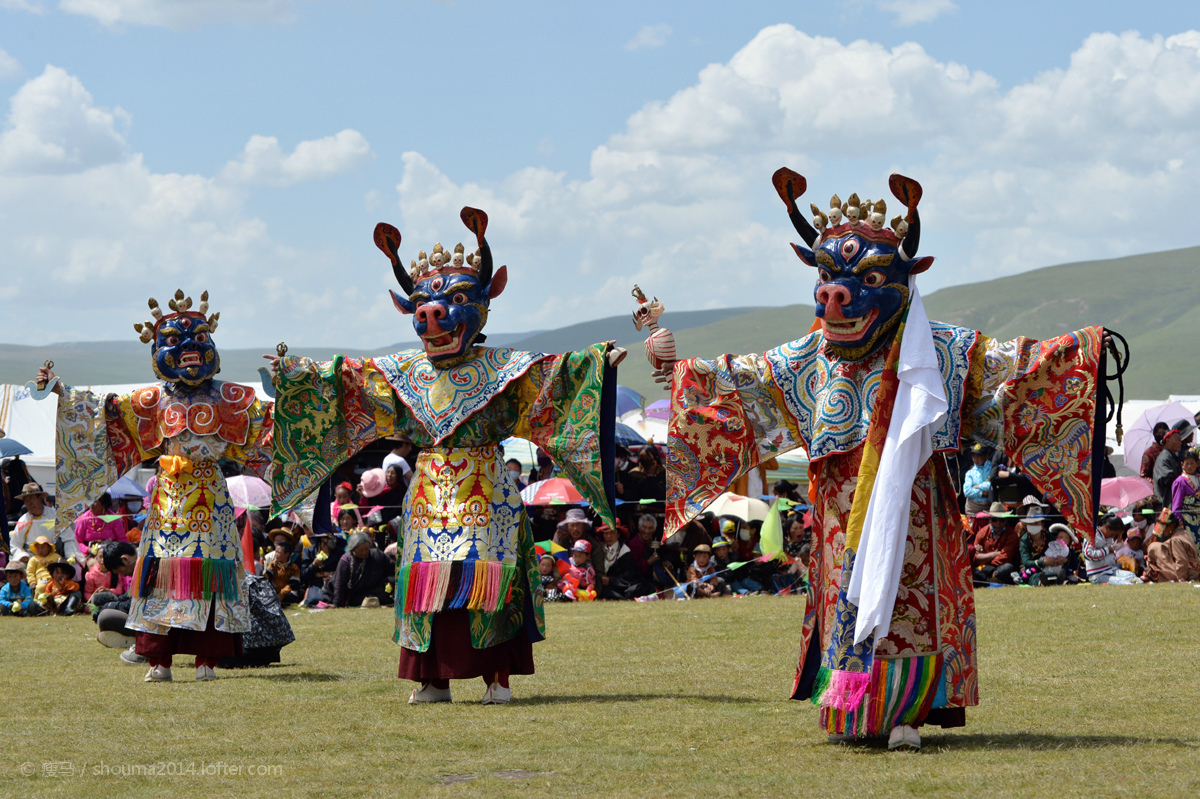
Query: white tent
[[31, 422]]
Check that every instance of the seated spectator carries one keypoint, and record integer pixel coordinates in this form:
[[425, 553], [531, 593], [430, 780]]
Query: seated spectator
[[549, 576], [348, 521], [644, 547], [16, 598], [102, 584], [720, 554], [1185, 494], [1172, 558], [701, 573], [343, 501], [574, 527], [91, 527], [317, 565], [362, 572], [580, 580], [786, 489], [37, 570], [1132, 556], [1167, 466], [284, 574], [119, 558], [391, 501], [977, 485], [37, 521], [649, 480], [61, 595], [618, 575], [996, 545], [1101, 557]]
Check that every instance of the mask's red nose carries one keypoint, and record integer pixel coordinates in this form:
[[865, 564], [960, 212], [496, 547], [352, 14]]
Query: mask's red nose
[[430, 315], [833, 296]]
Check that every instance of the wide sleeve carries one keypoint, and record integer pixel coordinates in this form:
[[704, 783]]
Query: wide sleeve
[[85, 463], [325, 412], [727, 416], [1038, 400], [255, 456], [568, 408]]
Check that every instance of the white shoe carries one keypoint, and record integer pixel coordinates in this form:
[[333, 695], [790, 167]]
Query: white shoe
[[159, 674], [131, 658], [205, 674], [839, 738], [904, 737], [115, 639], [497, 694], [427, 693]]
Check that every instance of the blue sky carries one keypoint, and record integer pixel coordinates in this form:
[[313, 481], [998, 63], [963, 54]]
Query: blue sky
[[611, 143]]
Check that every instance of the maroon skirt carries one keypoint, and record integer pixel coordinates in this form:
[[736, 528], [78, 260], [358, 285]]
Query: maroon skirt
[[451, 657], [209, 644]]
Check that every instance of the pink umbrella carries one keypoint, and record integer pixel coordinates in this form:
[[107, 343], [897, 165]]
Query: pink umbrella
[[1140, 435], [247, 491], [1121, 492]]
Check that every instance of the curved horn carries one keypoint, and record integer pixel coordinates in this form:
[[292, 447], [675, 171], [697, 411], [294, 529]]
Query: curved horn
[[476, 221], [908, 191], [791, 185], [387, 239]]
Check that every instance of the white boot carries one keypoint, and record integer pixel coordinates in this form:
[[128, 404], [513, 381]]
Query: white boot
[[205, 674], [497, 694], [427, 693], [904, 737], [158, 674]]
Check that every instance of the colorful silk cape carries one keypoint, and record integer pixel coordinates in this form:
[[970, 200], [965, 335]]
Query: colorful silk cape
[[1034, 399], [467, 542]]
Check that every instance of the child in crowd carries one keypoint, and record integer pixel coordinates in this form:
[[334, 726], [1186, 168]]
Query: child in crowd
[[701, 573], [548, 572], [580, 579], [37, 571], [61, 593], [283, 573], [15, 597], [1132, 557], [348, 521], [99, 580]]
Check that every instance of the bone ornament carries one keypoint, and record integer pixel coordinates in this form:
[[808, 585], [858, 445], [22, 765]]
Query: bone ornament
[[660, 346]]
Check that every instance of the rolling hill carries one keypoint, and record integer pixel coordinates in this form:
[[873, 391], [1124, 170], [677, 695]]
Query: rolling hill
[[1151, 299]]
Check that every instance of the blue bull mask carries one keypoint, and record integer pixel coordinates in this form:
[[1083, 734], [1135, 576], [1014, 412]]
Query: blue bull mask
[[863, 269], [183, 351], [447, 293]]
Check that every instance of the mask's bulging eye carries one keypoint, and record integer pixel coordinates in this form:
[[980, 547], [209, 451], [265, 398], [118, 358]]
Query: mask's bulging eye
[[825, 277], [459, 298], [172, 341], [201, 337], [874, 278]]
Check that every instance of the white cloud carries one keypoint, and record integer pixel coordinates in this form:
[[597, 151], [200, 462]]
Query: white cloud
[[9, 66], [648, 37], [180, 14], [1076, 163], [263, 162], [54, 127], [912, 12]]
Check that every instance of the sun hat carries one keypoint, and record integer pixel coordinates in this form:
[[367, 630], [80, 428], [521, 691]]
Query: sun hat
[[575, 516], [702, 548], [14, 566], [31, 490], [1058, 527], [999, 510], [61, 565], [374, 483], [1183, 427], [582, 545], [370, 602]]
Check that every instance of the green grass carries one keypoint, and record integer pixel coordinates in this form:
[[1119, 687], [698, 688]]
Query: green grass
[[1086, 691]]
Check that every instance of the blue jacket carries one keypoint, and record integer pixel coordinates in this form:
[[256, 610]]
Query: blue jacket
[[22, 594], [976, 485]]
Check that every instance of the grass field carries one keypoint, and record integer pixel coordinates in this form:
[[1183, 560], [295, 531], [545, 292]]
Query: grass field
[[1086, 691]]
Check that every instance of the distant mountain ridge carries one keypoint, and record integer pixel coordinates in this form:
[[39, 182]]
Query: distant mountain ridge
[[1151, 299]]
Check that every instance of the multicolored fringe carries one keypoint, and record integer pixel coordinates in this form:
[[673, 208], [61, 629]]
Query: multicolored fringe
[[430, 586], [185, 578], [901, 691]]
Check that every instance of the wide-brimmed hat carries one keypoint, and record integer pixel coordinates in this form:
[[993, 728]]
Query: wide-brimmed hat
[[374, 483], [1028, 505], [575, 516], [999, 510], [370, 602], [1183, 427], [63, 565], [42, 539], [32, 490], [785, 485], [14, 566], [1059, 528], [702, 548]]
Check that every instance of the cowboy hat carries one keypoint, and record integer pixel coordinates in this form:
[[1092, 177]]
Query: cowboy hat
[[31, 490]]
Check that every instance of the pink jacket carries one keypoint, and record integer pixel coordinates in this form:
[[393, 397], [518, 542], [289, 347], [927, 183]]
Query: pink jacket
[[96, 580]]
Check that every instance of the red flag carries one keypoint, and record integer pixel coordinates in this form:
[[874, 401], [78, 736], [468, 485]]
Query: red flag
[[248, 545]]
